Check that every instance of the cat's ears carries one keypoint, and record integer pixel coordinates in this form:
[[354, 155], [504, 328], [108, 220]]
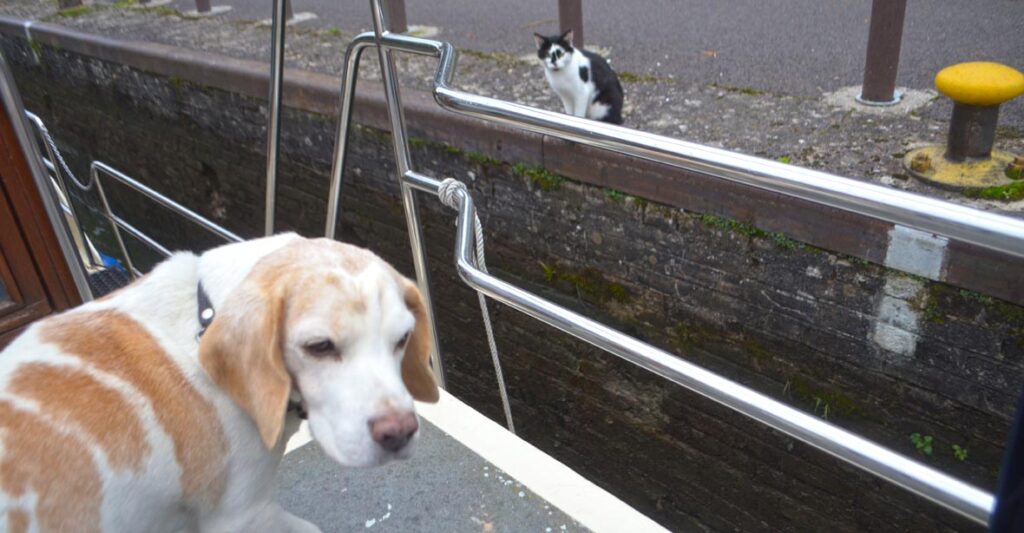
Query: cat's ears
[[540, 39], [567, 37]]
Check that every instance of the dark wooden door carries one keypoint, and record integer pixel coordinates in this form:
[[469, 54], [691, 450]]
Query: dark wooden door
[[34, 279]]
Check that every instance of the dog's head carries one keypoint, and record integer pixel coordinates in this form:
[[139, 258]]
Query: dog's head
[[338, 325]]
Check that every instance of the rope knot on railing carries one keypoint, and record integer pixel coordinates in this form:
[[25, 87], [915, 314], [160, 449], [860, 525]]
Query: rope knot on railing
[[448, 191]]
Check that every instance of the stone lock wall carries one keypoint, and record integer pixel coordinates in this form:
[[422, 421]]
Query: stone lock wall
[[886, 354]]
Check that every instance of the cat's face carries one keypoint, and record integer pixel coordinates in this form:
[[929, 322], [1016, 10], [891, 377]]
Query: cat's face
[[554, 52]]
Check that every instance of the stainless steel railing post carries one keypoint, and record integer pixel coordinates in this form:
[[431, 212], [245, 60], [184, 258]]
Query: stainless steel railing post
[[353, 54], [59, 180], [107, 212], [278, 25], [11, 101], [403, 162]]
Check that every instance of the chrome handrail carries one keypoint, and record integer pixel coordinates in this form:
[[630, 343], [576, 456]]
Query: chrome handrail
[[962, 223], [98, 167], [953, 221], [914, 476]]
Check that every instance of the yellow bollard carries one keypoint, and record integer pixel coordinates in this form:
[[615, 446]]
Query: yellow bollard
[[967, 161]]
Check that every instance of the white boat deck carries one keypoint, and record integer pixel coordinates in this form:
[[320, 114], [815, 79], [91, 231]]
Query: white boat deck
[[467, 474]]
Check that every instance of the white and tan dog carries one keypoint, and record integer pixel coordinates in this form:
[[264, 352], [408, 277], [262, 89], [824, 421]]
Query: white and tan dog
[[115, 417]]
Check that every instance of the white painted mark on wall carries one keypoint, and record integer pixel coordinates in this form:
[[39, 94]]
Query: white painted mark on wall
[[896, 324], [916, 252]]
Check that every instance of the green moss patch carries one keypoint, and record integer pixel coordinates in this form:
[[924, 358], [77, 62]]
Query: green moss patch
[[77, 11], [632, 77], [1012, 314], [931, 312], [482, 159], [614, 195], [823, 402], [163, 10], [1008, 132], [1014, 172], [1007, 193], [474, 157], [589, 283], [749, 230], [749, 91], [176, 82], [503, 59], [541, 177]]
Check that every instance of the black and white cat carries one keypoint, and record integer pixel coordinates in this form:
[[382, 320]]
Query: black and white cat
[[583, 80]]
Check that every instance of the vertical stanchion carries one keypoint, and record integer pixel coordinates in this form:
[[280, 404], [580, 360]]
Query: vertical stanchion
[[403, 162], [10, 99], [274, 110], [394, 11], [570, 17], [348, 91], [883, 56]]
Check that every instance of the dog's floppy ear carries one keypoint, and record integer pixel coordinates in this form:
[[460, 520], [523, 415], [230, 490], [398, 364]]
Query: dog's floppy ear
[[242, 353], [416, 371]]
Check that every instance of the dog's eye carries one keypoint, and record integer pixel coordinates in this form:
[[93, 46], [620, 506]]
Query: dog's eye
[[320, 348], [401, 342]]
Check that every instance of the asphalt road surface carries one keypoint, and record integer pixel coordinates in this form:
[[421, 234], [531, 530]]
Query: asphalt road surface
[[800, 47]]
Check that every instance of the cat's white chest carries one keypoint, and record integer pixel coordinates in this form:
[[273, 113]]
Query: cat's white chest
[[576, 94], [567, 79]]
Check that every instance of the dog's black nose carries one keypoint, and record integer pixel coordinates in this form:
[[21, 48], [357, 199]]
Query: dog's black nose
[[393, 431]]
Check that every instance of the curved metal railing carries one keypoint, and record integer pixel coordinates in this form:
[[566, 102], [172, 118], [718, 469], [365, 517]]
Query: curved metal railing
[[956, 222]]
